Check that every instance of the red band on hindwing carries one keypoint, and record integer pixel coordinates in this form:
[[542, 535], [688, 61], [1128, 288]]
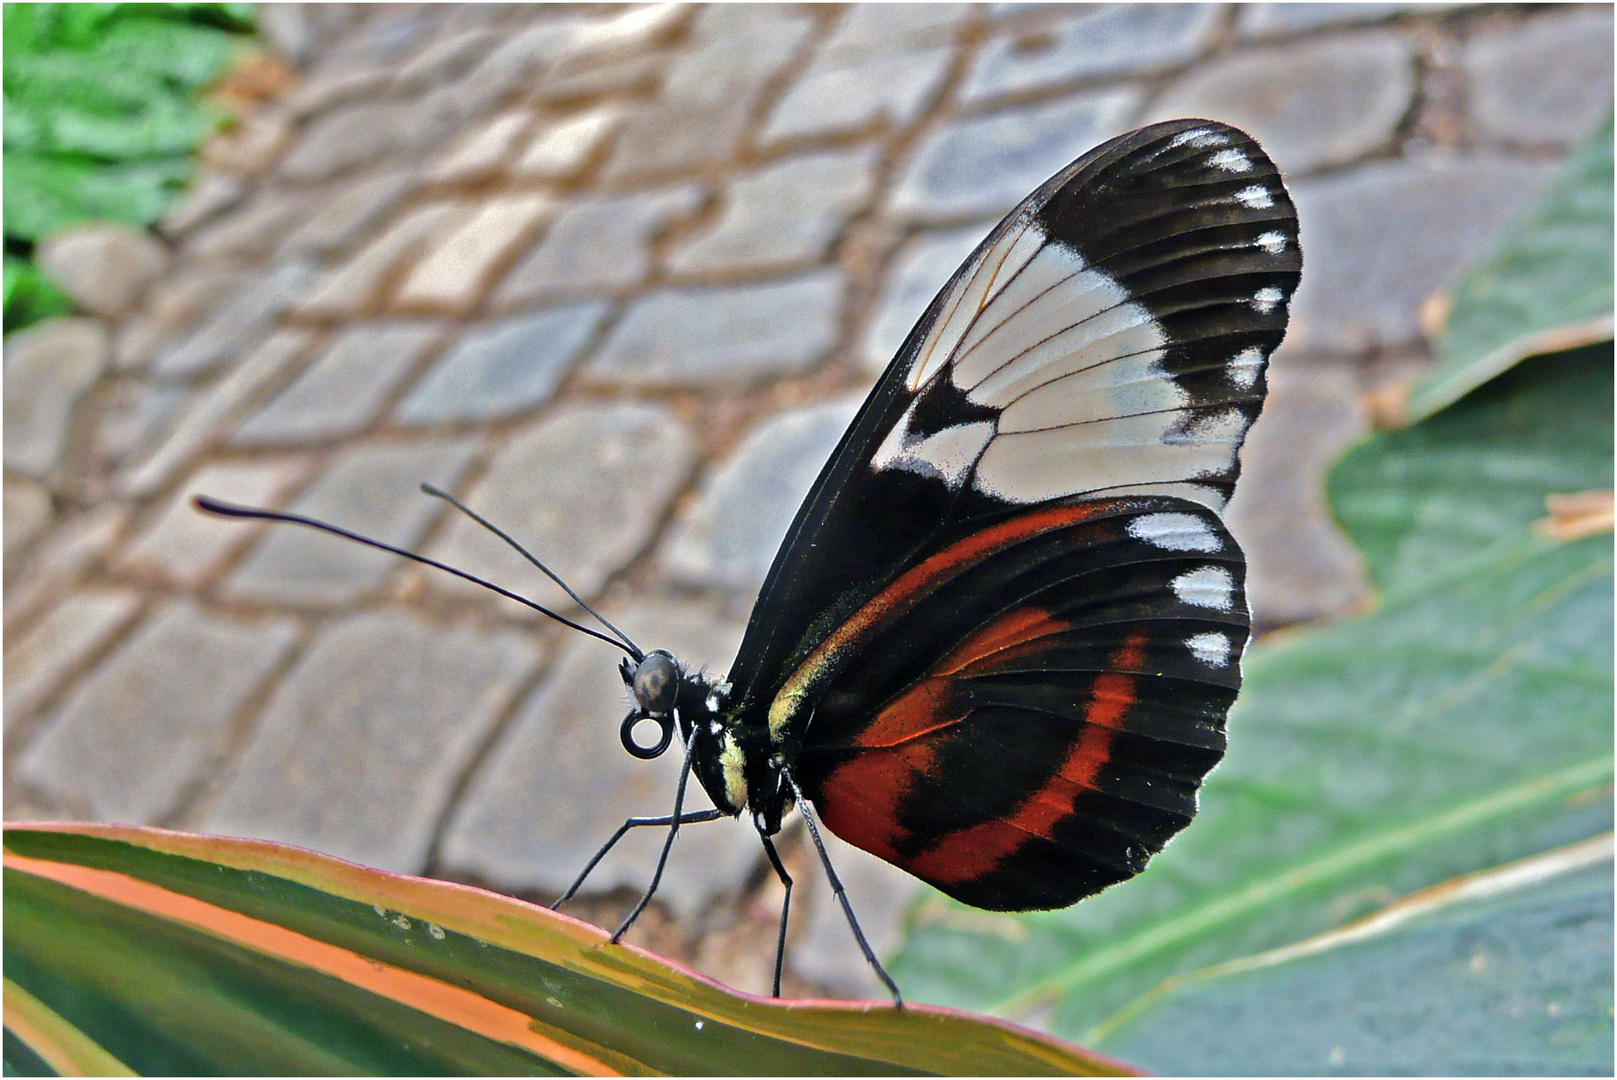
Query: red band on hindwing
[[978, 850]]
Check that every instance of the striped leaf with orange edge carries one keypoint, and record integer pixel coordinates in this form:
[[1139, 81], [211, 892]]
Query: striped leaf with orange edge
[[140, 950]]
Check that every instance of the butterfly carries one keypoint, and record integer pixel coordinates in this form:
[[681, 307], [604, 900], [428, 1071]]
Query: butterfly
[[1000, 640]]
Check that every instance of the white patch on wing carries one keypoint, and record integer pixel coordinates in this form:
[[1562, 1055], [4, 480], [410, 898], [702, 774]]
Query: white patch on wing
[[1267, 299], [1257, 197], [1126, 387], [1230, 161], [1206, 586], [1199, 138], [1272, 242], [961, 311], [1041, 296], [1037, 465], [1175, 532], [946, 454], [1211, 648], [1246, 366]]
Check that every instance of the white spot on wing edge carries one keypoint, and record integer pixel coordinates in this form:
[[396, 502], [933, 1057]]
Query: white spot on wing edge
[[1175, 532], [1246, 366], [1257, 197], [1267, 299], [1272, 242], [1200, 137], [1206, 586], [1231, 160], [1211, 648]]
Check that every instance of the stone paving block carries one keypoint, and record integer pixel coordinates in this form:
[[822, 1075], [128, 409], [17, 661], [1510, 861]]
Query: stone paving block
[[557, 783], [104, 266], [840, 92], [37, 661], [344, 139], [914, 275], [628, 77], [133, 416], [710, 91], [250, 145], [505, 368], [631, 30], [1547, 81], [1380, 239], [562, 147], [134, 735], [1090, 43], [238, 324], [359, 751], [517, 62], [728, 335], [1310, 105], [47, 368], [988, 164], [353, 287], [728, 537], [783, 214], [1299, 564], [455, 271], [485, 152], [27, 512], [877, 28], [60, 558], [1272, 20], [597, 245], [881, 895], [213, 411], [187, 546], [584, 490], [372, 489], [209, 195], [335, 84], [442, 60], [255, 229], [171, 305], [343, 214], [345, 388]]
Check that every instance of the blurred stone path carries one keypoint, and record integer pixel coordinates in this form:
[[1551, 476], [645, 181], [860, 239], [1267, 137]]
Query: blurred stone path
[[619, 277]]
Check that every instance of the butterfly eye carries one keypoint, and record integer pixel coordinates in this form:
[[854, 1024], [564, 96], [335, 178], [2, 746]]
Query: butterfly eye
[[656, 683]]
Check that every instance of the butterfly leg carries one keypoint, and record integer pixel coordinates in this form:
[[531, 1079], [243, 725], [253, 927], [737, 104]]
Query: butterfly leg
[[785, 906], [842, 894], [668, 844], [632, 823]]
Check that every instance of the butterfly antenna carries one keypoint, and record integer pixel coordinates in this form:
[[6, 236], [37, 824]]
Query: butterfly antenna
[[634, 650], [214, 506]]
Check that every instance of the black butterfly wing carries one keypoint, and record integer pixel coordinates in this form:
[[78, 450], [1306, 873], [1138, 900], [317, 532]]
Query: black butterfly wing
[[1105, 345]]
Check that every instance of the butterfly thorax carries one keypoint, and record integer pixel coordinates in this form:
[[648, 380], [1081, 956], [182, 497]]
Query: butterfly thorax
[[732, 756]]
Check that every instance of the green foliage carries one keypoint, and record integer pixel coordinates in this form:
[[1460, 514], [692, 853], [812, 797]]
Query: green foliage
[[1548, 286], [30, 296], [1464, 724], [1508, 973], [130, 949], [101, 116]]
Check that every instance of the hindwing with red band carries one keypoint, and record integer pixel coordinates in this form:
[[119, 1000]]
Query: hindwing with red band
[[1031, 728], [1000, 640]]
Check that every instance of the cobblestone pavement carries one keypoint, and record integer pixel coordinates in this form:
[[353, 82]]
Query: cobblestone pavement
[[618, 277]]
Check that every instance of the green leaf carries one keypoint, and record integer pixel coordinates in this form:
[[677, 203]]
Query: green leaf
[[30, 295], [44, 193], [172, 953], [1548, 287], [1508, 971], [1466, 723], [1473, 478]]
